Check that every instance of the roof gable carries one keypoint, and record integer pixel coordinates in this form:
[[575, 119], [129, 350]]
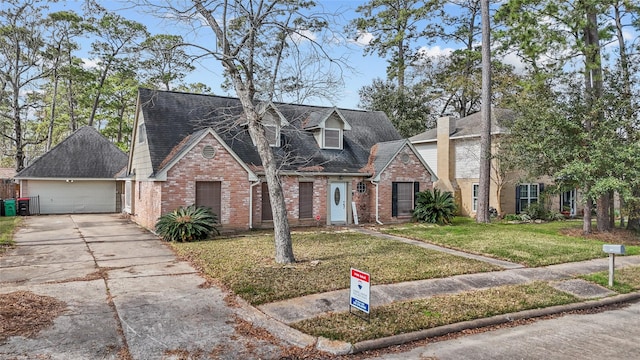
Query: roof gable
[[318, 119], [470, 126], [83, 154], [387, 151]]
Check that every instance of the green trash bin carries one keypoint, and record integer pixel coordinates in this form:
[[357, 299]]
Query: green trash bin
[[10, 207]]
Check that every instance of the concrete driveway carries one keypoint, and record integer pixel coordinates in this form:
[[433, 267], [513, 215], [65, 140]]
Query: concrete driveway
[[127, 296]]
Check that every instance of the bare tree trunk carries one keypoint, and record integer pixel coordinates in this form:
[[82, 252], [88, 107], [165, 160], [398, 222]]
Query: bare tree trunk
[[53, 109], [96, 101], [622, 212], [586, 217], [602, 213], [483, 216]]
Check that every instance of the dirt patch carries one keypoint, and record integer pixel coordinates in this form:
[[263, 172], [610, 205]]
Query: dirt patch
[[23, 313], [249, 331], [617, 236]]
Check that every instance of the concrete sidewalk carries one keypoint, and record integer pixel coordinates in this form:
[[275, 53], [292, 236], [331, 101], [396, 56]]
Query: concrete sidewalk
[[297, 309], [126, 294]]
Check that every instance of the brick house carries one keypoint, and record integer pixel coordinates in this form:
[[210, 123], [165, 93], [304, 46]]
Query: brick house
[[336, 165]]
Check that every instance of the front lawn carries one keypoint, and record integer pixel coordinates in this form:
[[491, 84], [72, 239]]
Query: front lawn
[[7, 228], [245, 264], [408, 316], [528, 244]]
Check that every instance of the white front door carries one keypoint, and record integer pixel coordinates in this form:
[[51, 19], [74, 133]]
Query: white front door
[[338, 201]]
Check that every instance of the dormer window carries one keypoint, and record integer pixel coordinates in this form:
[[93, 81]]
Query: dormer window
[[332, 138], [272, 121], [328, 127]]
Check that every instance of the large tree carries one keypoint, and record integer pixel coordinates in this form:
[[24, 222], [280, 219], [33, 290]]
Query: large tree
[[165, 62], [117, 43], [395, 25], [251, 40], [21, 69], [573, 30], [482, 215], [408, 110]]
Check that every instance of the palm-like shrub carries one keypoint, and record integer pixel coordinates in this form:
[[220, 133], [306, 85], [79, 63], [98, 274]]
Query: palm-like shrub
[[187, 224], [435, 207]]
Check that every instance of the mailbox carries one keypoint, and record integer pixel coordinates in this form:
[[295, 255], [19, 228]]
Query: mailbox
[[613, 249]]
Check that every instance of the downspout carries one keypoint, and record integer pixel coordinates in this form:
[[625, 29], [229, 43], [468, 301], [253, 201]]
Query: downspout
[[251, 203], [377, 201]]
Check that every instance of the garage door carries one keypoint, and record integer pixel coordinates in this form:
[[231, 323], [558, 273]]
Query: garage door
[[62, 197]]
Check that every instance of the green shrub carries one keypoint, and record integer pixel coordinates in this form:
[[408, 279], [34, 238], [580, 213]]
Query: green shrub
[[537, 211], [187, 224], [435, 207], [555, 216], [512, 217]]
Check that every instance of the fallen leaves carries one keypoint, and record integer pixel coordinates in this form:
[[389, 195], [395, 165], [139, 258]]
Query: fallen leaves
[[23, 313]]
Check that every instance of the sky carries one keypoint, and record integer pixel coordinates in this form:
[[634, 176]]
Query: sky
[[364, 69]]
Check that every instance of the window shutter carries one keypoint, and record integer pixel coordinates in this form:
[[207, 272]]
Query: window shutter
[[518, 199], [416, 190], [394, 199], [540, 188]]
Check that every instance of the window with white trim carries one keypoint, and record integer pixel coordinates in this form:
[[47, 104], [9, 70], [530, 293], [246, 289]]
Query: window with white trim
[[527, 194], [474, 196], [332, 138], [142, 133]]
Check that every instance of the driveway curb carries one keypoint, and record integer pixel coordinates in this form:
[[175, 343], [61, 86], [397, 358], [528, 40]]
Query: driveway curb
[[490, 321]]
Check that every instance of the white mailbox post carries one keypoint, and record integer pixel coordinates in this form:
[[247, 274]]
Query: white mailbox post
[[612, 250]]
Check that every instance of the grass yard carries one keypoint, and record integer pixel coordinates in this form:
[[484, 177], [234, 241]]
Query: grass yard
[[532, 245], [408, 316], [625, 280], [7, 228], [245, 264]]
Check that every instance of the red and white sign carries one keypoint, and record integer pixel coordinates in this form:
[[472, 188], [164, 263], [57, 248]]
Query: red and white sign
[[360, 290]]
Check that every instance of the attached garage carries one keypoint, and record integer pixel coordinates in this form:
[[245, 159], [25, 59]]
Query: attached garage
[[76, 176]]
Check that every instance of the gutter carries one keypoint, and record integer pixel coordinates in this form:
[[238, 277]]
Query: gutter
[[377, 203], [251, 203]]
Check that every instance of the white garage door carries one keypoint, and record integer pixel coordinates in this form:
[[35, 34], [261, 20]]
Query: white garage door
[[62, 197]]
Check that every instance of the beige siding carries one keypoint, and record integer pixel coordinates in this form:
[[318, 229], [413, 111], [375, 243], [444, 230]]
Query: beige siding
[[467, 158], [429, 152], [141, 160]]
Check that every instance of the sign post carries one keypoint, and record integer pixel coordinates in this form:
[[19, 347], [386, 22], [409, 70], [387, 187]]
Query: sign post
[[359, 296]]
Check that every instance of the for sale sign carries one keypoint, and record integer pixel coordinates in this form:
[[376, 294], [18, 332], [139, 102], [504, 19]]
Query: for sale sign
[[360, 286]]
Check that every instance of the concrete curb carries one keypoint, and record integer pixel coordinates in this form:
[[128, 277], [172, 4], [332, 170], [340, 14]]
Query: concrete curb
[[494, 320]]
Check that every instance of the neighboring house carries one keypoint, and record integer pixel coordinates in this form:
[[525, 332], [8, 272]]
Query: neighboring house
[[452, 149], [195, 149], [77, 176]]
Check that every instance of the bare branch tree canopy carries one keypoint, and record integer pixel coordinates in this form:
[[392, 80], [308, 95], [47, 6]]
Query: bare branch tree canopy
[[261, 46]]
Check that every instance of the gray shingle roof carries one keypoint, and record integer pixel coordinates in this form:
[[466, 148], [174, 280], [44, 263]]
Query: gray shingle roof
[[385, 152], [84, 154], [171, 116], [472, 125]]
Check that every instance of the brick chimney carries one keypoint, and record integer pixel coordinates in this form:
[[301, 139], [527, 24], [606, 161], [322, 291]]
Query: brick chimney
[[446, 154]]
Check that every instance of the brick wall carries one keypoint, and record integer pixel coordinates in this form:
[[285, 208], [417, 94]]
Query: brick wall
[[146, 203], [291, 192], [402, 169]]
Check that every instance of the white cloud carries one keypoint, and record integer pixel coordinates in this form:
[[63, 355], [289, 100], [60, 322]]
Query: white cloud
[[363, 39], [300, 36], [434, 51], [90, 63], [514, 60]]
